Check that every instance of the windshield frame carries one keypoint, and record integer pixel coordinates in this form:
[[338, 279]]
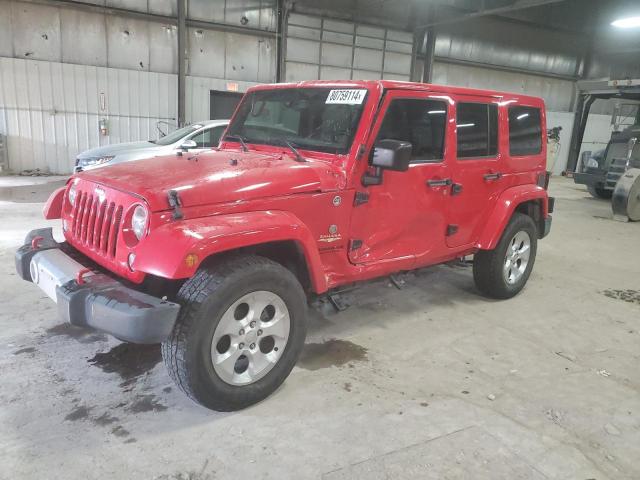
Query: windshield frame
[[280, 141]]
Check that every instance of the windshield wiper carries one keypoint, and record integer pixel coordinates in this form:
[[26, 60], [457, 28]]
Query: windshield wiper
[[299, 158], [242, 141]]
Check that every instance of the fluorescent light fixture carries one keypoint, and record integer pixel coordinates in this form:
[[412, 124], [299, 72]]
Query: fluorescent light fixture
[[436, 112], [521, 116], [463, 125], [627, 22]]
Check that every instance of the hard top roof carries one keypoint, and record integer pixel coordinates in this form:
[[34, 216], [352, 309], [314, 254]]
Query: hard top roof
[[400, 85]]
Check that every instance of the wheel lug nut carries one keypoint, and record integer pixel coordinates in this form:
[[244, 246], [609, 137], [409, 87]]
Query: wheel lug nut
[[241, 346], [259, 332], [252, 346], [252, 324], [241, 332]]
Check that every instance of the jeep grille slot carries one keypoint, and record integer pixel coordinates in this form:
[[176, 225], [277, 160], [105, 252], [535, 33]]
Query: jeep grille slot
[[96, 223]]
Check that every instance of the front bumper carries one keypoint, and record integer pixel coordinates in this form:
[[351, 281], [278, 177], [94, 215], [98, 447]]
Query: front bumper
[[593, 179], [92, 299], [547, 226]]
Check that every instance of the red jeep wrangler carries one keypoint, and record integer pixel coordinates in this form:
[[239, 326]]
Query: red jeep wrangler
[[315, 185]]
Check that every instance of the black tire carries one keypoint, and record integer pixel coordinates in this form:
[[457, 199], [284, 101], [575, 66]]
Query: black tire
[[599, 192], [204, 299], [488, 264]]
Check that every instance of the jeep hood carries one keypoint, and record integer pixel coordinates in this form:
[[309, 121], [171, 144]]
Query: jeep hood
[[217, 177]]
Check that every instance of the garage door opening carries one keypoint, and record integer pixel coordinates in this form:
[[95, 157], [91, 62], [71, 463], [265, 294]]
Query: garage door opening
[[223, 104]]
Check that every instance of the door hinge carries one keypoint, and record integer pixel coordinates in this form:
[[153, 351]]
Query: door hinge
[[360, 198], [355, 244], [452, 229]]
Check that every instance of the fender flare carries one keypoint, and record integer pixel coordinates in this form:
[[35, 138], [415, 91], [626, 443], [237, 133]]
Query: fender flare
[[53, 208], [504, 208], [164, 251]]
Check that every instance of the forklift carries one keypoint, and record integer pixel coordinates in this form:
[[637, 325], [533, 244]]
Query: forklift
[[612, 173]]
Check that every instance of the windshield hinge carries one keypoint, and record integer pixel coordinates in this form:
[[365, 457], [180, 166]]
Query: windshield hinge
[[360, 198], [175, 203]]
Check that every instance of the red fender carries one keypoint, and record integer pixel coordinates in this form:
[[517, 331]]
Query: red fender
[[503, 210], [164, 252], [53, 207]]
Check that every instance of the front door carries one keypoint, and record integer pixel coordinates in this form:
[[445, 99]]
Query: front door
[[404, 218], [476, 171]]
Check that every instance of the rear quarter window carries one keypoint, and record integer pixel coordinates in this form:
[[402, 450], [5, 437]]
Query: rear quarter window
[[525, 131]]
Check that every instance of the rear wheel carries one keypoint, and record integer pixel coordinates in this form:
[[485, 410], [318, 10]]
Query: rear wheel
[[599, 192], [504, 271], [240, 331]]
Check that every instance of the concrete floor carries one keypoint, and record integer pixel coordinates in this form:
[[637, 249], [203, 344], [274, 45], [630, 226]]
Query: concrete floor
[[431, 381]]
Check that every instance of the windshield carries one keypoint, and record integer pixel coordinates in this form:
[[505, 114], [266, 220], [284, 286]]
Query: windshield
[[621, 150], [320, 119], [173, 137]]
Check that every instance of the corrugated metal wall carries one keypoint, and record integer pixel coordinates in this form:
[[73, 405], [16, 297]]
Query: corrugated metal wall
[[558, 94], [50, 111]]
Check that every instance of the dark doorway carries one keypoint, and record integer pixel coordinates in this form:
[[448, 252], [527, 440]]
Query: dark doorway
[[223, 104]]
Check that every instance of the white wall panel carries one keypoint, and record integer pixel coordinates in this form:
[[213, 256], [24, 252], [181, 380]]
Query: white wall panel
[[367, 59], [301, 71], [36, 30], [336, 55], [50, 111], [84, 39], [334, 73], [299, 50], [128, 41], [558, 94], [6, 31], [345, 50]]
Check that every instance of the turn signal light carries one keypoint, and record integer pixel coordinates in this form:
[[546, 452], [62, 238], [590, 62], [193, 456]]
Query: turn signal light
[[543, 180], [191, 260]]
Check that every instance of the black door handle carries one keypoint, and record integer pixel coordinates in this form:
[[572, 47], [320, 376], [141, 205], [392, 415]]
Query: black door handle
[[492, 176], [445, 182]]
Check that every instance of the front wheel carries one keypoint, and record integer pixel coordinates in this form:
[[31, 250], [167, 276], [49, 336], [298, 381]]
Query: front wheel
[[599, 192], [240, 331], [504, 271]]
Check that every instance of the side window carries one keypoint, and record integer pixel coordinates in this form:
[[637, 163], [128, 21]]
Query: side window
[[477, 130], [216, 133], [203, 139], [419, 121], [525, 131]]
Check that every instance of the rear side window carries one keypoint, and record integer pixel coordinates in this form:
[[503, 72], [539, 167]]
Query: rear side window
[[477, 130], [419, 121], [525, 131]]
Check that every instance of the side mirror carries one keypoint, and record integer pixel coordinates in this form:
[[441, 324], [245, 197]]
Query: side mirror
[[188, 144], [392, 155]]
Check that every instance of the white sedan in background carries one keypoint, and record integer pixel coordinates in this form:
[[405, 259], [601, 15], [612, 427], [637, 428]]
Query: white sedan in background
[[194, 137]]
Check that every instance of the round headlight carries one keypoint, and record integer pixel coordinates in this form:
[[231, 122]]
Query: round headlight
[[71, 194], [591, 163], [139, 221]]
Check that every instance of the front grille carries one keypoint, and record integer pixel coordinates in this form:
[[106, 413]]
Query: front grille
[[96, 223]]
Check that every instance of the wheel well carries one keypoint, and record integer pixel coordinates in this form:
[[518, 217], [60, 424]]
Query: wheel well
[[533, 208], [287, 253]]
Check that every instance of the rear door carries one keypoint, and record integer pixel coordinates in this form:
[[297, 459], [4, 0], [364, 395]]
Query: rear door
[[477, 169], [404, 218]]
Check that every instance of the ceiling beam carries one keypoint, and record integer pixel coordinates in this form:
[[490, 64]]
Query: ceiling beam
[[483, 12]]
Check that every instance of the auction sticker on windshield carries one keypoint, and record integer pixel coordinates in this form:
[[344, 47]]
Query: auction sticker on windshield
[[347, 97]]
